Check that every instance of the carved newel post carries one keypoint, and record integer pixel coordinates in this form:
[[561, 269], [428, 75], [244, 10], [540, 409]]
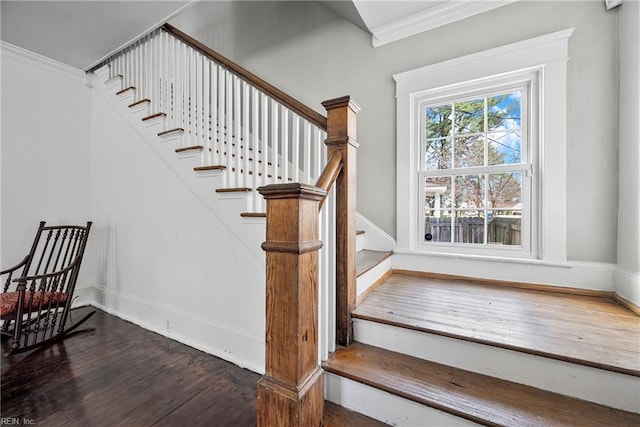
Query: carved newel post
[[291, 392]]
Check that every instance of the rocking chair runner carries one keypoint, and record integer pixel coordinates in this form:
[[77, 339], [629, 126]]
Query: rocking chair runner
[[34, 306]]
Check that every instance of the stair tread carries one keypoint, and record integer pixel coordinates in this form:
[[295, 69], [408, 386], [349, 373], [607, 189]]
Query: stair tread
[[472, 396], [367, 259], [591, 331], [338, 416]]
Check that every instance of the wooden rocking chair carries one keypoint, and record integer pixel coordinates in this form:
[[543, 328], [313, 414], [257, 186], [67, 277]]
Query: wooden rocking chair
[[35, 304]]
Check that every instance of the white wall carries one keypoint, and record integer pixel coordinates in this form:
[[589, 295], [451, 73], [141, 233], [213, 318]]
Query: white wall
[[314, 55], [165, 260], [628, 273], [157, 255], [46, 150]]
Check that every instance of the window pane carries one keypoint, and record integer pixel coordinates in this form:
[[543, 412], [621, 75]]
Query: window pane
[[437, 192], [505, 190], [504, 227], [438, 154], [504, 111], [504, 147], [470, 191], [469, 226], [437, 226], [438, 121], [469, 151], [469, 116]]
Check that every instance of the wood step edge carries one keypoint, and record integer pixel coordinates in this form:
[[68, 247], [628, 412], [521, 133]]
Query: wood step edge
[[190, 148], [209, 168], [153, 116], [234, 190], [475, 397], [378, 256], [126, 89], [142, 101], [491, 343], [253, 215], [170, 131]]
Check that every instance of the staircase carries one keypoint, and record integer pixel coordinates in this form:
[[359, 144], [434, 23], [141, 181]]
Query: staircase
[[418, 359], [434, 350]]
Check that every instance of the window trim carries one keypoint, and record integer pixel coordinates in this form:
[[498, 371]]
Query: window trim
[[546, 57]]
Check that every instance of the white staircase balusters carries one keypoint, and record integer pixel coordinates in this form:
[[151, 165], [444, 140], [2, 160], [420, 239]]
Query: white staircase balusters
[[254, 136]]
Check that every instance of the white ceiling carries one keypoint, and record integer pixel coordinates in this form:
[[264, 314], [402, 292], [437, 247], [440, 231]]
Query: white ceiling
[[79, 33], [82, 32]]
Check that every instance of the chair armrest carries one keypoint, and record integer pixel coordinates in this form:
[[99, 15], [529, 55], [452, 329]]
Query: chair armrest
[[15, 267], [49, 275]]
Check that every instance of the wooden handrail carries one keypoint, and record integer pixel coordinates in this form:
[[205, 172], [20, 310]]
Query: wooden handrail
[[293, 104], [330, 174]]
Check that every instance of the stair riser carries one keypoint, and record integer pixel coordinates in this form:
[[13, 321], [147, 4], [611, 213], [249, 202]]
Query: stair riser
[[386, 407], [369, 278], [592, 384]]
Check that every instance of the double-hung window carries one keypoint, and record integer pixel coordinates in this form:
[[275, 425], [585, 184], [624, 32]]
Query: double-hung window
[[481, 153], [475, 168]]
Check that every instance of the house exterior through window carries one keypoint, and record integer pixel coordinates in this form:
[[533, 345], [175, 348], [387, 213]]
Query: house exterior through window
[[481, 153]]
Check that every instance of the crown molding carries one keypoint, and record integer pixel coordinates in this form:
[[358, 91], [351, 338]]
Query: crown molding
[[11, 51], [437, 16]]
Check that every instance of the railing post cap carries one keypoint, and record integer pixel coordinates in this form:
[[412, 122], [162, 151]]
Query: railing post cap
[[343, 101], [294, 190]]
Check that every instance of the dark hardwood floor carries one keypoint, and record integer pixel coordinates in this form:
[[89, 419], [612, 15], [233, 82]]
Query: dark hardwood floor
[[123, 375]]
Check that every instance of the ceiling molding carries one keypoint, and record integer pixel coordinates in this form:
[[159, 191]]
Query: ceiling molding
[[40, 61], [434, 17]]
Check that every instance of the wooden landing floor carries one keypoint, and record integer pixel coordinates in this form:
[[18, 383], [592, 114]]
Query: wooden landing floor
[[589, 330], [123, 375]]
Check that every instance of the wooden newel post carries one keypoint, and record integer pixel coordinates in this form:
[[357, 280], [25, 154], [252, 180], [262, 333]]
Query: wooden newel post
[[341, 136], [291, 392]]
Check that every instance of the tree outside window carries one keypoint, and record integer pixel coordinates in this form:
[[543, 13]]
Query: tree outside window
[[473, 169]]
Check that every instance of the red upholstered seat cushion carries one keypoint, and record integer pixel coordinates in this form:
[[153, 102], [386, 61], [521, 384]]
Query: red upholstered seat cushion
[[9, 301]]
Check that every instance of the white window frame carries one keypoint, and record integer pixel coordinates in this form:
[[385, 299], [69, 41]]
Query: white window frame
[[542, 62]]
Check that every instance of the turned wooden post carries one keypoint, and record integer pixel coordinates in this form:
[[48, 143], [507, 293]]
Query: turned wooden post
[[341, 136], [291, 392]]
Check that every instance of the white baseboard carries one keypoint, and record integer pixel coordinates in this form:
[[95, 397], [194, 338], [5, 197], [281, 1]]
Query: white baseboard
[[580, 275], [627, 285], [243, 348], [374, 237]]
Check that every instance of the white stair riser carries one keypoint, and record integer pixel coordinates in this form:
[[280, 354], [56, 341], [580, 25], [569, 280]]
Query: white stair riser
[[386, 407], [359, 242], [608, 388], [368, 279]]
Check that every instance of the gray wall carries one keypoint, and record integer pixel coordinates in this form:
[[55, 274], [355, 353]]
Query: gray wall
[[314, 55], [629, 203]]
